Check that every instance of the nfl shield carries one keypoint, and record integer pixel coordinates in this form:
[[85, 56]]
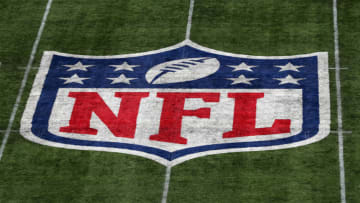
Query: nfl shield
[[178, 103]]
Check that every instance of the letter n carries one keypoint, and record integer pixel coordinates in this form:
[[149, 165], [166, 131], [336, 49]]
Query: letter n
[[86, 103]]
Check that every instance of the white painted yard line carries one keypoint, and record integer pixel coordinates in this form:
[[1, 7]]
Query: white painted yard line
[[188, 27], [26, 75], [339, 107], [166, 184], [168, 168]]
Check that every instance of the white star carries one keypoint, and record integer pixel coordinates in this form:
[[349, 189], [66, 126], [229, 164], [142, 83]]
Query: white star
[[124, 66], [242, 66], [289, 79], [121, 79], [289, 66], [78, 66], [74, 79], [241, 79]]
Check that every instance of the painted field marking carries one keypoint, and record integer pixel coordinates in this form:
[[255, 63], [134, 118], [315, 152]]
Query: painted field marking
[[13, 131], [339, 105], [166, 184], [344, 132], [188, 27], [332, 68], [24, 68], [168, 168], [332, 131], [26, 75]]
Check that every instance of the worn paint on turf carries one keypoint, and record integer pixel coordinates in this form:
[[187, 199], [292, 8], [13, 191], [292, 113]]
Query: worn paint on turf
[[178, 103]]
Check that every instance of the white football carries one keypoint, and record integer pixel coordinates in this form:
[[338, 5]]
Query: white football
[[182, 70]]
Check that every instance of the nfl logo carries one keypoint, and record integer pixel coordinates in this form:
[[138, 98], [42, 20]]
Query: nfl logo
[[178, 103]]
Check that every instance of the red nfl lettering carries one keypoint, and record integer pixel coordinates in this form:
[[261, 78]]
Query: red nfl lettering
[[173, 111], [123, 125], [245, 117]]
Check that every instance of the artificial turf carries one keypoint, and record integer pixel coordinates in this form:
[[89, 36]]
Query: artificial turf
[[34, 173]]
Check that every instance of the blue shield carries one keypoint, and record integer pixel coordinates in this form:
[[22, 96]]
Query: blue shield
[[178, 103]]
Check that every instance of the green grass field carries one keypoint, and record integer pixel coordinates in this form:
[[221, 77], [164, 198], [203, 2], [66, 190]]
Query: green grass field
[[35, 173]]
